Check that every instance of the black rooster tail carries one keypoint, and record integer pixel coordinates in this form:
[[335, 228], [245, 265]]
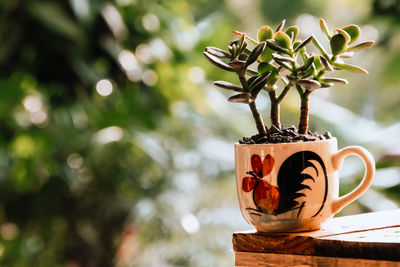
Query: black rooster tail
[[291, 178]]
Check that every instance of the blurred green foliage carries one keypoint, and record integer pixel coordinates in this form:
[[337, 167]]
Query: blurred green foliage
[[137, 170]]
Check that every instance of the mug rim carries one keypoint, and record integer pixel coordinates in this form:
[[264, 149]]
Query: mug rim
[[333, 139]]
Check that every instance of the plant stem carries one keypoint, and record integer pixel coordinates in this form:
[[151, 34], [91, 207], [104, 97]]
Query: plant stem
[[274, 113], [257, 118], [299, 90], [304, 112], [256, 115], [284, 92], [243, 81]]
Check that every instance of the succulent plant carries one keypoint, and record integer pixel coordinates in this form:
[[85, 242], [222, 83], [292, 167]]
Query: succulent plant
[[281, 56]]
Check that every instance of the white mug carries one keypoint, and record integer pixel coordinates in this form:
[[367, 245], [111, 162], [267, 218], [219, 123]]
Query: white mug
[[294, 186]]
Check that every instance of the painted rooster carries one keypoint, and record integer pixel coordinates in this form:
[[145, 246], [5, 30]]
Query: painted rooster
[[275, 200]]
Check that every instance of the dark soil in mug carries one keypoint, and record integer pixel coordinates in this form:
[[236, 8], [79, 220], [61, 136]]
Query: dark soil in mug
[[287, 134]]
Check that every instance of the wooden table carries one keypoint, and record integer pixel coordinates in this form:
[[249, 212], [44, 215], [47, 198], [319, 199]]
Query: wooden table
[[370, 239]]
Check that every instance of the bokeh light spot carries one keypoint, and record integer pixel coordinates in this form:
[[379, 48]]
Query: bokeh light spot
[[109, 134], [160, 50], [190, 223], [135, 75], [75, 161], [149, 77], [151, 23], [127, 60], [38, 118], [9, 231], [196, 75], [32, 103], [23, 146], [143, 54], [104, 87]]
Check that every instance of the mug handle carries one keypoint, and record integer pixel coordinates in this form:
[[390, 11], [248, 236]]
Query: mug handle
[[337, 159]]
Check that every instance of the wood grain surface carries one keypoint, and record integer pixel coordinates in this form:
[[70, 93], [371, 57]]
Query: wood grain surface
[[366, 236], [249, 259]]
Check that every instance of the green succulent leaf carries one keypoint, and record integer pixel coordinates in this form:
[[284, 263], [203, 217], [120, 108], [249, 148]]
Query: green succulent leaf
[[307, 64], [296, 44], [349, 67], [309, 85], [237, 64], [251, 80], [248, 38], [283, 40], [303, 54], [258, 84], [277, 48], [304, 43], [246, 51], [272, 78], [266, 54], [284, 64], [317, 63], [310, 72], [326, 85], [218, 63], [333, 80], [338, 44], [292, 31], [344, 33], [354, 31], [346, 54], [228, 86], [258, 88], [235, 49], [280, 58], [264, 67], [244, 46], [241, 43], [360, 46], [324, 28], [215, 51], [244, 98], [242, 57], [265, 33], [326, 64], [281, 25], [255, 53], [251, 72], [231, 51]]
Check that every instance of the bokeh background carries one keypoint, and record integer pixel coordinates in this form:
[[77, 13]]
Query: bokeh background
[[117, 150]]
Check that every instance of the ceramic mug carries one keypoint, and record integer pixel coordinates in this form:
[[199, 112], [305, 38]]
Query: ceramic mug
[[294, 186]]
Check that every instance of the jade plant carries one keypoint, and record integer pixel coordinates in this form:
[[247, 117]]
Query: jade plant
[[276, 62]]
